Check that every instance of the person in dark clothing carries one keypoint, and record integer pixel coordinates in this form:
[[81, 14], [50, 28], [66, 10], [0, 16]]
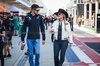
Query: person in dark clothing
[[2, 34], [46, 22], [11, 24], [6, 23], [71, 22], [10, 38], [11, 30], [26, 53], [51, 20], [35, 23]]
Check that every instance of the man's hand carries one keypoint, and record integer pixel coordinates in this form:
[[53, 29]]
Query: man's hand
[[22, 44], [52, 31], [43, 42]]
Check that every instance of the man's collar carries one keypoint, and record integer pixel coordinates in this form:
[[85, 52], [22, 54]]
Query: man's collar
[[34, 15]]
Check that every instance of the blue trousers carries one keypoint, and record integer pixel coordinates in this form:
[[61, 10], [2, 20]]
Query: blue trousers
[[36, 44], [60, 46]]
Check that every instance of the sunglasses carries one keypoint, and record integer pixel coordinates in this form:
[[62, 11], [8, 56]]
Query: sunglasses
[[37, 10], [59, 13]]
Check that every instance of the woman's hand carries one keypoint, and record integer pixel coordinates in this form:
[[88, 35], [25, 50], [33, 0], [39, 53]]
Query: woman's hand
[[51, 30], [70, 45]]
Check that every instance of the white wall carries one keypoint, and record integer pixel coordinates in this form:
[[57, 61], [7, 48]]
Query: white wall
[[41, 4], [70, 3]]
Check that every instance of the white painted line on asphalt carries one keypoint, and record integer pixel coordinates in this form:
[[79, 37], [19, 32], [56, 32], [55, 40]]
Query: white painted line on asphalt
[[20, 57], [81, 55], [27, 63]]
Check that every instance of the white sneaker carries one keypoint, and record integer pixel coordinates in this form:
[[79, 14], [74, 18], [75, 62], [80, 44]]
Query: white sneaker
[[9, 47], [12, 46]]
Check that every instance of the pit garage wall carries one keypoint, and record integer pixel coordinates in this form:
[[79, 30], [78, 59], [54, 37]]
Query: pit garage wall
[[7, 5]]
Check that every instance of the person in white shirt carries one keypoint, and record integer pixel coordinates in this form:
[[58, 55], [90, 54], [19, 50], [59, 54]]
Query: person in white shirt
[[62, 37]]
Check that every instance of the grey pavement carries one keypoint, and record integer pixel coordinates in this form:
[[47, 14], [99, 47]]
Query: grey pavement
[[84, 32]]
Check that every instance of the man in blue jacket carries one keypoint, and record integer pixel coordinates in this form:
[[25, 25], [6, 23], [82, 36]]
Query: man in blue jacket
[[35, 23]]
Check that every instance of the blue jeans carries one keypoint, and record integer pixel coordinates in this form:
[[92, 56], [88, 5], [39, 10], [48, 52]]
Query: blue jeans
[[52, 24], [36, 44], [60, 47]]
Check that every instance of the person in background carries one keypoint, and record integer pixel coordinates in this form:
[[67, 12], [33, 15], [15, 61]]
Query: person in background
[[53, 20], [93, 23], [15, 21], [2, 34], [82, 20], [11, 30], [11, 23], [70, 22], [71, 19], [79, 21], [63, 37], [6, 23], [20, 26], [10, 38], [46, 22]]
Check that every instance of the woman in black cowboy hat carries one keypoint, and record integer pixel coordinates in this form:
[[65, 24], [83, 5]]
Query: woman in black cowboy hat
[[62, 37]]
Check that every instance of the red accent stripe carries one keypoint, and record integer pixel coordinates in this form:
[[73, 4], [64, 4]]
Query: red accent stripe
[[94, 39], [88, 51], [80, 63]]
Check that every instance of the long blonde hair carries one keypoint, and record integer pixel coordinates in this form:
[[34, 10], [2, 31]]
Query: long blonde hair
[[64, 18]]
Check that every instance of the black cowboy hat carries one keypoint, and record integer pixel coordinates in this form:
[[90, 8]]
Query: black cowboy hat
[[62, 11]]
